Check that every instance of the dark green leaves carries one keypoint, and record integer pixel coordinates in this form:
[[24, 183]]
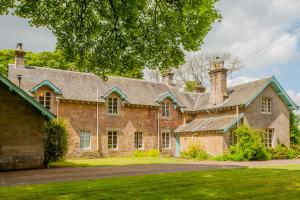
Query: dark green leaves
[[121, 35]]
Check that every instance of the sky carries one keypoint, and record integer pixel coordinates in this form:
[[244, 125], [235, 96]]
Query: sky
[[264, 34]]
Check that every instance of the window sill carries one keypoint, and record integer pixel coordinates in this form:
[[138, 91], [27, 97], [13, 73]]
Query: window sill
[[85, 149], [265, 113]]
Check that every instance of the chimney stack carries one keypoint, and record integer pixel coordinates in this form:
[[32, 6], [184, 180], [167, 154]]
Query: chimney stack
[[218, 82], [19, 56], [168, 78]]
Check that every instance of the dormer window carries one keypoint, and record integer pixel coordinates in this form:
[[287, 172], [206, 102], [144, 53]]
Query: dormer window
[[165, 109], [45, 99], [266, 105], [113, 106]]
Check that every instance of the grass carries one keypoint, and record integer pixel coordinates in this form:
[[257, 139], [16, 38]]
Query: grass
[[245, 183], [117, 161]]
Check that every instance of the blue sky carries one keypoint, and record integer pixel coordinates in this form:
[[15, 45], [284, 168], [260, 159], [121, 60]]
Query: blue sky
[[246, 27]]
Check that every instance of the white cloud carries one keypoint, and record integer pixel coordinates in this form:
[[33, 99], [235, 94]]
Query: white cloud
[[248, 25], [295, 96]]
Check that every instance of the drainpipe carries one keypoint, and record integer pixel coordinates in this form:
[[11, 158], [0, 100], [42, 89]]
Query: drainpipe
[[57, 108], [158, 138], [97, 123], [237, 115]]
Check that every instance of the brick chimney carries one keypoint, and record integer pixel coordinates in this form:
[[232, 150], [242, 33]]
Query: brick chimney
[[168, 78], [218, 82], [19, 56]]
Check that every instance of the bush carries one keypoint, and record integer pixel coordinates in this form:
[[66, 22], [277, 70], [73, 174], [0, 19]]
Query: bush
[[195, 152], [294, 127], [150, 153], [282, 152], [55, 141], [250, 146], [296, 148]]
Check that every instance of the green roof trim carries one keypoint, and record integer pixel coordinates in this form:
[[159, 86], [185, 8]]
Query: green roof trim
[[169, 95], [13, 88], [46, 83], [233, 122], [280, 92], [117, 91]]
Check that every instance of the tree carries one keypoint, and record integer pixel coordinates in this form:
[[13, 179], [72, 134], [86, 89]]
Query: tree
[[54, 60], [194, 72], [294, 127], [118, 35]]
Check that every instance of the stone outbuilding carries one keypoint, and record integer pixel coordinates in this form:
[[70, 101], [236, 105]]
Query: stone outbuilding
[[21, 128]]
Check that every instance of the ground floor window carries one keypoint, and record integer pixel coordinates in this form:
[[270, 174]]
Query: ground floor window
[[85, 139], [112, 139], [166, 140], [268, 137], [138, 140], [233, 139]]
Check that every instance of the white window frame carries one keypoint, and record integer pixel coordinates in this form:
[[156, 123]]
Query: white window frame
[[112, 105], [44, 98], [113, 139], [138, 140], [266, 105], [87, 143], [269, 137], [166, 140], [166, 109], [233, 139]]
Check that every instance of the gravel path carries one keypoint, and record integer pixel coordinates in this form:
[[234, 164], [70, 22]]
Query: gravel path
[[34, 176]]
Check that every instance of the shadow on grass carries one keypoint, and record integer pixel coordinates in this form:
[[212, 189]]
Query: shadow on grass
[[245, 183]]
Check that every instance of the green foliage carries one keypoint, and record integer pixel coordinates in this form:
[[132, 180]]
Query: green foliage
[[190, 86], [149, 153], [282, 152], [249, 147], [294, 127], [55, 60], [195, 152], [55, 141], [116, 35]]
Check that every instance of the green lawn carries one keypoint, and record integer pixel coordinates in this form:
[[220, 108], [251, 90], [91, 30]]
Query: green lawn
[[245, 183], [117, 161]]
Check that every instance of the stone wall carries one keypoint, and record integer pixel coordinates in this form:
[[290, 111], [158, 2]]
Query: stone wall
[[21, 135]]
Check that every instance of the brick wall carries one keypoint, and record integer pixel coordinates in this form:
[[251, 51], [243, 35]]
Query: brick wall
[[21, 141]]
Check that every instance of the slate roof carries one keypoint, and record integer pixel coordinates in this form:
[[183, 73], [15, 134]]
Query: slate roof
[[84, 86], [220, 123]]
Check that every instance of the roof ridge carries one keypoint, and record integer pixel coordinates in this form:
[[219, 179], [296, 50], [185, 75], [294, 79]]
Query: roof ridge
[[265, 78], [135, 79]]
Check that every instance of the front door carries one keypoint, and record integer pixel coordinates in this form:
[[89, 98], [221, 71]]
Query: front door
[[177, 153]]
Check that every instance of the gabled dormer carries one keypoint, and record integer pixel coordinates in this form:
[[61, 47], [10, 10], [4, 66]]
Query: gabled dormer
[[46, 92], [165, 100], [113, 98]]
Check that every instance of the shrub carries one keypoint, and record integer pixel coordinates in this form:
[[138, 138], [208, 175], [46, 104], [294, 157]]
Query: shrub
[[250, 146], [149, 153], [282, 152], [294, 127], [195, 152], [296, 148], [55, 141]]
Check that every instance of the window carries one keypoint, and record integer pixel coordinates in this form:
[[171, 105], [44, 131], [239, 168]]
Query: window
[[166, 140], [268, 138], [112, 139], [233, 139], [85, 139], [266, 105], [138, 140], [165, 109], [44, 98], [112, 106]]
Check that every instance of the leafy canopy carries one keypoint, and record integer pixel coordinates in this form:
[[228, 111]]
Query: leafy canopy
[[118, 35], [294, 127]]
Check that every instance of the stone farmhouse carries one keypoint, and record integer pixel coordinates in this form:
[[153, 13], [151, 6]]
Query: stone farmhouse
[[120, 115]]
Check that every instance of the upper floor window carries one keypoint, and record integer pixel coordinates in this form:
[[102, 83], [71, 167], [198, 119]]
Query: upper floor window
[[45, 99], [266, 105], [268, 137], [166, 141], [113, 106], [112, 139], [138, 140], [85, 139], [165, 109]]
